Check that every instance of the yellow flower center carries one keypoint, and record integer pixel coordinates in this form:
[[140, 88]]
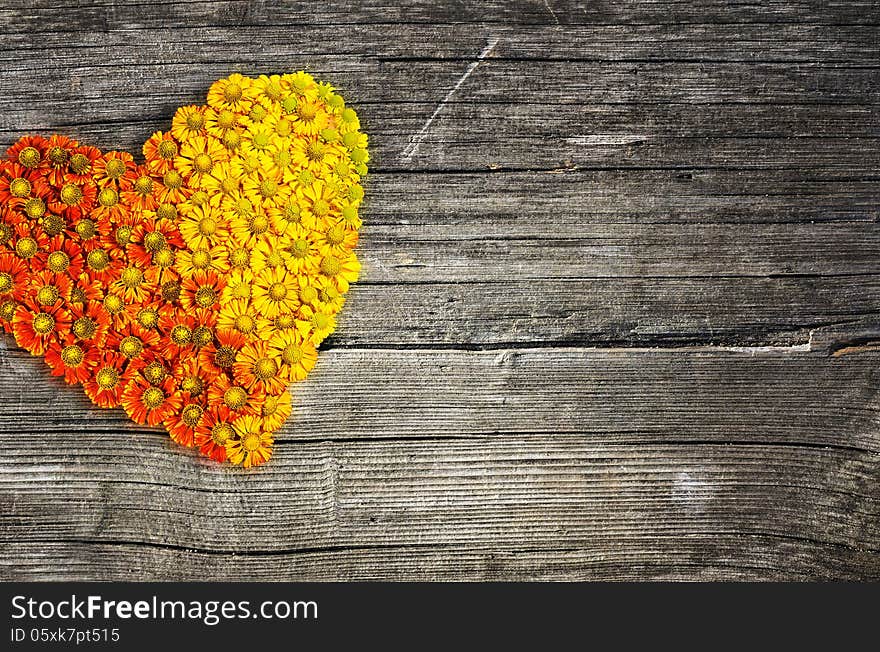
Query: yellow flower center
[[331, 266], [57, 155], [207, 226], [308, 294], [107, 378], [108, 197], [29, 157], [43, 323], [221, 432], [123, 235], [86, 229], [115, 168], [131, 346], [7, 309], [232, 140], [335, 234], [265, 368], [205, 297], [203, 163], [47, 295], [181, 335], [5, 282], [299, 248], [228, 185], [114, 304], [98, 259], [320, 208], [85, 328], [152, 398], [58, 262], [232, 92], [192, 384], [191, 415], [225, 357], [35, 208], [292, 354], [195, 121], [20, 187], [167, 149], [240, 258], [155, 373], [251, 442], [258, 224], [201, 259], [72, 355], [235, 398], [163, 258], [226, 120], [170, 291], [143, 185], [71, 194], [80, 163], [172, 179], [268, 188], [167, 212], [244, 324], [132, 277], [26, 247], [277, 291], [154, 241], [320, 321], [148, 317], [202, 336]]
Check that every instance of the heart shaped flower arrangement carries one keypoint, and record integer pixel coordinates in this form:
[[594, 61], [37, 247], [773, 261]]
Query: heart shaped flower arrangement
[[191, 289]]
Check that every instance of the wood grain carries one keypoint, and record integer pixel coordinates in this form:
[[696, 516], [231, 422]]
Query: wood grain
[[618, 317]]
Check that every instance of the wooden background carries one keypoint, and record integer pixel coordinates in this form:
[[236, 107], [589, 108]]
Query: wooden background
[[617, 317]]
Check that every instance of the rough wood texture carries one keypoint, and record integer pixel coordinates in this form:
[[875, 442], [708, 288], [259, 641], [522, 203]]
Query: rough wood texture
[[617, 319]]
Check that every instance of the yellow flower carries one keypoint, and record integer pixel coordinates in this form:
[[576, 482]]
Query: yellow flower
[[198, 156], [320, 200], [188, 122], [309, 117], [219, 122], [265, 189], [320, 324], [238, 315], [295, 352], [275, 291], [230, 93], [205, 259], [249, 228], [270, 254], [239, 285], [202, 227], [252, 444], [220, 183], [276, 409], [341, 269]]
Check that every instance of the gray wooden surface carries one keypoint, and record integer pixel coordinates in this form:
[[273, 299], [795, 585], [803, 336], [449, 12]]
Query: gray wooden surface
[[618, 316]]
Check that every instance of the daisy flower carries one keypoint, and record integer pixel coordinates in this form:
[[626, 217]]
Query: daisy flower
[[197, 158], [188, 122], [275, 291], [150, 404], [276, 409], [160, 150], [296, 353], [71, 359], [258, 364], [214, 431], [251, 445], [105, 383], [203, 226]]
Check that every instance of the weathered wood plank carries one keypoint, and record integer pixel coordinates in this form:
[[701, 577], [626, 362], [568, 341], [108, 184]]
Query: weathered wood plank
[[762, 395], [49, 15]]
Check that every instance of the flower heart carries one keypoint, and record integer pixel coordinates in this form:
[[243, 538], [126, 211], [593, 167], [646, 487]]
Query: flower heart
[[194, 288]]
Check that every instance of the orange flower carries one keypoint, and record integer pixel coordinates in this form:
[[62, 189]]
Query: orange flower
[[71, 359], [150, 404], [106, 382]]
